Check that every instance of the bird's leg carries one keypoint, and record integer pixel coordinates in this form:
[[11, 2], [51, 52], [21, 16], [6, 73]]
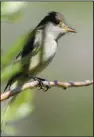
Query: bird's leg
[[40, 80], [41, 83]]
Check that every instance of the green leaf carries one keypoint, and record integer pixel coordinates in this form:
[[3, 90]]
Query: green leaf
[[10, 130], [8, 71], [14, 48], [23, 104], [20, 108], [12, 11]]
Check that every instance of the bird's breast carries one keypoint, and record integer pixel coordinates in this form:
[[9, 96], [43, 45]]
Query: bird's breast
[[49, 50], [42, 59]]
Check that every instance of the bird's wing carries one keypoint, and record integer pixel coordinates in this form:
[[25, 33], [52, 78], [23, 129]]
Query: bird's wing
[[27, 48], [32, 47]]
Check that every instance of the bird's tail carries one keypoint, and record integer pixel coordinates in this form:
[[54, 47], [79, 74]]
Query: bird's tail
[[12, 79], [10, 82]]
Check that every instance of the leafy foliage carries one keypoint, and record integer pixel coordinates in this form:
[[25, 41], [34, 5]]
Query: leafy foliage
[[23, 105], [12, 11]]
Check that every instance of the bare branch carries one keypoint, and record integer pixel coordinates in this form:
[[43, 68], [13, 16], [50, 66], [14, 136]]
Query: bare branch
[[33, 84]]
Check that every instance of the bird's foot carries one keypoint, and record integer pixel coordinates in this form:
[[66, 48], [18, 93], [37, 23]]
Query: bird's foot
[[41, 85]]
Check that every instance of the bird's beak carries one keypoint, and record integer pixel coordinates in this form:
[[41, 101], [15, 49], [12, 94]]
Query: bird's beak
[[67, 28]]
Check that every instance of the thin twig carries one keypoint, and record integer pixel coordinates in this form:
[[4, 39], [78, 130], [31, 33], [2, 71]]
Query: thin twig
[[33, 84]]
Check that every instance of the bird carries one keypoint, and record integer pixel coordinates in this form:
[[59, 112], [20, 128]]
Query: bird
[[39, 48], [38, 51]]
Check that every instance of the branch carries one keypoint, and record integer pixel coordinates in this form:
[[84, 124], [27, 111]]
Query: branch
[[33, 84]]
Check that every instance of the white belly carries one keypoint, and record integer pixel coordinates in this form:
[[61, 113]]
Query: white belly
[[40, 61]]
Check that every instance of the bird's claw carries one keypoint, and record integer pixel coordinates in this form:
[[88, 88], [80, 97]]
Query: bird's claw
[[41, 85]]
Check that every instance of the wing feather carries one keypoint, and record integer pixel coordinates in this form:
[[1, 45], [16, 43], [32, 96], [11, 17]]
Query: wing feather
[[32, 46]]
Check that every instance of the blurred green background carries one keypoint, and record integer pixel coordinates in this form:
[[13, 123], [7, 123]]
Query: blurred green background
[[58, 112]]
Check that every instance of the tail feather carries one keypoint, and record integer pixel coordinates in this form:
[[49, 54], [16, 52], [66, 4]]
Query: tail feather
[[12, 79], [9, 83]]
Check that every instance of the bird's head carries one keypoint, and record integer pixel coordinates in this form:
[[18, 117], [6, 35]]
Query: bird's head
[[56, 24]]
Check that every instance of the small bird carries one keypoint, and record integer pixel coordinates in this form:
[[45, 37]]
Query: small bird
[[40, 48]]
